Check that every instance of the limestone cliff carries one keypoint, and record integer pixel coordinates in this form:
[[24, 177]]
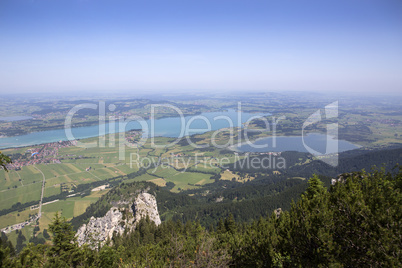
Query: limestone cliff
[[145, 205], [117, 220]]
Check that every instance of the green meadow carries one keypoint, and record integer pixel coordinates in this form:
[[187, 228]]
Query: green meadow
[[180, 163]]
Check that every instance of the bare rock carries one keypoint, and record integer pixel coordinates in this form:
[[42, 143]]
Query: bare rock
[[145, 205], [117, 220]]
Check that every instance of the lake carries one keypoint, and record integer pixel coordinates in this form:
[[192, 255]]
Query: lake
[[315, 141], [178, 127], [165, 127]]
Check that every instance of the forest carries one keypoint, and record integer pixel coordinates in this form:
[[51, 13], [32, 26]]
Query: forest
[[352, 223]]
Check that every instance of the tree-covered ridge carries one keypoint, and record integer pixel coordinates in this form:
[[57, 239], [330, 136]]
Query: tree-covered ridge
[[356, 223], [304, 164], [245, 201]]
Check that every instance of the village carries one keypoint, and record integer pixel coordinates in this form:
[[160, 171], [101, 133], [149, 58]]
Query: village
[[20, 225], [48, 153]]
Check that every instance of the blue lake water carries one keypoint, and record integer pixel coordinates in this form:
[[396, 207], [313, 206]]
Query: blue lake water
[[178, 127], [166, 127], [317, 142]]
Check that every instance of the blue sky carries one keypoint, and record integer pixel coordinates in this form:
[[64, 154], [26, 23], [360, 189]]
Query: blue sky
[[169, 45]]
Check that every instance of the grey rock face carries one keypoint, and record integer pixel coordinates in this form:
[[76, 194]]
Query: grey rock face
[[117, 220], [145, 205], [98, 230]]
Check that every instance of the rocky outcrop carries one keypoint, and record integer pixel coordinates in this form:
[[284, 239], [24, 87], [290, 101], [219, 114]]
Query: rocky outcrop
[[145, 205], [278, 212], [98, 230], [343, 177], [117, 220]]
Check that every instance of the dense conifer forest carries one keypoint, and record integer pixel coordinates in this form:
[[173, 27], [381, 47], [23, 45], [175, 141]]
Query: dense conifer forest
[[353, 223]]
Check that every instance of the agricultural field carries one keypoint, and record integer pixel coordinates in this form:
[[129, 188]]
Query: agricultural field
[[25, 185], [68, 208], [181, 164]]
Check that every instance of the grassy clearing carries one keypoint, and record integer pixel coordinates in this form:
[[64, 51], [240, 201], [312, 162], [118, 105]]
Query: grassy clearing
[[23, 194], [206, 167], [229, 175], [14, 217], [54, 190], [159, 182], [188, 180], [9, 180]]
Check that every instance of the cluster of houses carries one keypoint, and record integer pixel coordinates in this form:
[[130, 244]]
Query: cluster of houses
[[132, 135], [271, 153], [20, 225], [177, 155], [45, 155], [262, 153]]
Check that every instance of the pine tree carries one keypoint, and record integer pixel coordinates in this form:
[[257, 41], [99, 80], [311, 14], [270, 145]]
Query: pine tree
[[316, 187], [307, 233], [20, 240], [368, 213], [6, 251], [45, 234], [230, 224], [63, 235], [221, 226], [65, 250]]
